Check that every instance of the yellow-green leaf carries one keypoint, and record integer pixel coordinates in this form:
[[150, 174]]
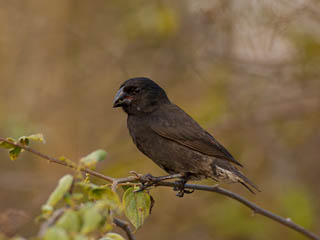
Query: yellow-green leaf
[[91, 220], [24, 140], [70, 221], [104, 192], [93, 158], [14, 153], [67, 160], [107, 226], [112, 236], [63, 187], [80, 237], [137, 206], [55, 233], [6, 145], [37, 137]]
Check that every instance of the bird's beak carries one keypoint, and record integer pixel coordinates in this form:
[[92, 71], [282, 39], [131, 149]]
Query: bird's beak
[[121, 98]]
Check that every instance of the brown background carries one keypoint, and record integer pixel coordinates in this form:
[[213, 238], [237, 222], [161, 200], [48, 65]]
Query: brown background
[[248, 71]]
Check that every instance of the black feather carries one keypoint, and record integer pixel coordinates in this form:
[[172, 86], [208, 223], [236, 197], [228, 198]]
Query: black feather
[[172, 139]]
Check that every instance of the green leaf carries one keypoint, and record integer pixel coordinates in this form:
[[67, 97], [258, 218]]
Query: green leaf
[[55, 233], [125, 187], [14, 153], [105, 193], [24, 140], [137, 206], [70, 221], [80, 237], [91, 220], [63, 187], [77, 196], [100, 192], [35, 137], [112, 236], [6, 145], [107, 226], [93, 158], [67, 160]]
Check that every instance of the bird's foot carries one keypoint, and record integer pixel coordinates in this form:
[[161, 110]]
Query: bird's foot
[[147, 181], [148, 178], [181, 188]]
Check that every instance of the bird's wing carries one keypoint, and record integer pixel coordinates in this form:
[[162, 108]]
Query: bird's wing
[[174, 124]]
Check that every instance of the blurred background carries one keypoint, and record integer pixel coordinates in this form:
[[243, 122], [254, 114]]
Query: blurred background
[[248, 71]]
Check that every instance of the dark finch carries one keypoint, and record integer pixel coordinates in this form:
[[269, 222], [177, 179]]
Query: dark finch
[[171, 138]]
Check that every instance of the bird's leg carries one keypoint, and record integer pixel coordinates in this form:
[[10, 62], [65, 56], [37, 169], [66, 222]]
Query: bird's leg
[[146, 182], [181, 191]]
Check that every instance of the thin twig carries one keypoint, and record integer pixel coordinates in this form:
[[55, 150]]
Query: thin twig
[[52, 220], [285, 221], [55, 160], [125, 226], [258, 210]]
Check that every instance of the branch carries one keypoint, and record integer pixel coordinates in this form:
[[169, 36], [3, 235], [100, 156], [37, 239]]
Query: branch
[[285, 221], [55, 160], [125, 226], [52, 220], [258, 210]]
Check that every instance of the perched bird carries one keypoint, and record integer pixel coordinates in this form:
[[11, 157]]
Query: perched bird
[[172, 139]]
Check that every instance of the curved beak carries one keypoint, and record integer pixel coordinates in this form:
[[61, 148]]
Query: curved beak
[[121, 98]]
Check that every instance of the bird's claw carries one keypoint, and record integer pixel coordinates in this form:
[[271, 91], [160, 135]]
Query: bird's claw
[[146, 181], [184, 191], [181, 188], [138, 175], [188, 191]]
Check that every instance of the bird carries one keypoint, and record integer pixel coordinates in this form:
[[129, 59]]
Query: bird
[[173, 139]]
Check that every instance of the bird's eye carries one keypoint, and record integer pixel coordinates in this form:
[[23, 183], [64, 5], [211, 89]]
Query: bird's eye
[[132, 90], [136, 90]]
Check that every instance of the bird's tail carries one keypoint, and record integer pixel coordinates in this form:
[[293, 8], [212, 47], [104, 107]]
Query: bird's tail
[[225, 172], [246, 182]]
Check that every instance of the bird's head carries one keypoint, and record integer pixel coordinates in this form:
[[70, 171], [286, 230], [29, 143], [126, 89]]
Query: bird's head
[[140, 95]]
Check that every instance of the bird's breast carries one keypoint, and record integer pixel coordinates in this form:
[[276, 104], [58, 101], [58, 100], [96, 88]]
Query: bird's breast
[[169, 155]]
